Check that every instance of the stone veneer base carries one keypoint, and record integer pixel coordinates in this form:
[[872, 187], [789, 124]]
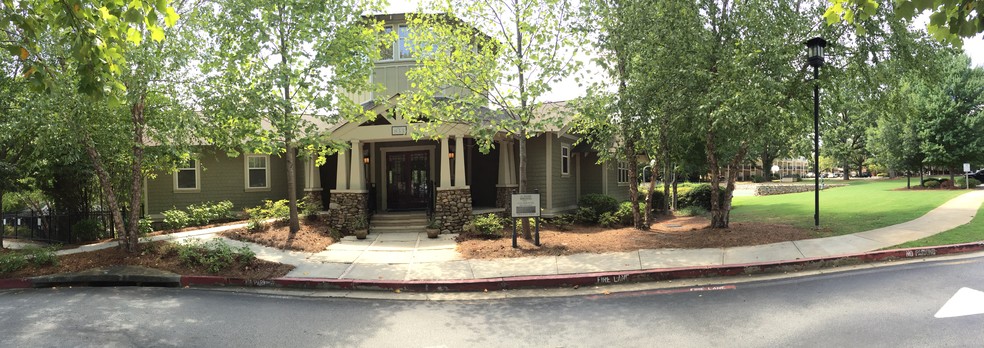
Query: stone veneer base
[[453, 209], [346, 207]]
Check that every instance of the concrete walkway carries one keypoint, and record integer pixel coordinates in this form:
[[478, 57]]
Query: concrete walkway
[[412, 256]]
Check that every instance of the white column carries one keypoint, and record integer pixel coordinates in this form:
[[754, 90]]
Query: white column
[[459, 162], [511, 156], [312, 177], [357, 177], [502, 163], [341, 175], [445, 164]]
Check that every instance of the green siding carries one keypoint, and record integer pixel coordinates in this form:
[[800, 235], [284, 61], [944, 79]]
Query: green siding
[[221, 178], [536, 166], [591, 174], [564, 186], [620, 192]]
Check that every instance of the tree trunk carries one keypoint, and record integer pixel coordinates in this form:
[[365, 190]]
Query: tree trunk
[[107, 187], [131, 235], [295, 222], [953, 184], [908, 180], [649, 196], [633, 169], [767, 166], [847, 170], [527, 234], [667, 198], [673, 203], [721, 211]]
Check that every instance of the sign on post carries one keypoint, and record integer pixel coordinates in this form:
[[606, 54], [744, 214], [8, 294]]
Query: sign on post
[[526, 205], [966, 167]]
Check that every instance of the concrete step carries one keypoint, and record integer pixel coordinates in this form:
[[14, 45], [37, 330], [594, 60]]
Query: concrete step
[[399, 216], [398, 222], [395, 229]]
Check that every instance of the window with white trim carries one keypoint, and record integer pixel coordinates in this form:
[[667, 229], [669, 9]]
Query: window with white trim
[[186, 176], [257, 171], [565, 159], [623, 172], [402, 42]]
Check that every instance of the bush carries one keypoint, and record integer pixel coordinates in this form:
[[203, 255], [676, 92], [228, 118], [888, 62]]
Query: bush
[[175, 219], [145, 227], [88, 230], [488, 226], [205, 213], [928, 180], [962, 182], [11, 262], [691, 211], [600, 203], [585, 215], [758, 178], [624, 213], [309, 206], [214, 255], [608, 219], [698, 196], [931, 184], [563, 222], [279, 210]]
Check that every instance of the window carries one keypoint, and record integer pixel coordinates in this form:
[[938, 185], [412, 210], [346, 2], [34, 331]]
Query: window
[[565, 160], [186, 177], [402, 43], [386, 49], [623, 172], [257, 171]]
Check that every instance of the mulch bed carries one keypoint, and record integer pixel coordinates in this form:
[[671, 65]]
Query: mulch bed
[[313, 236], [153, 255], [680, 232]]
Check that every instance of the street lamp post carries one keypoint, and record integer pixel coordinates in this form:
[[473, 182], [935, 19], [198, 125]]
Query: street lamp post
[[815, 48]]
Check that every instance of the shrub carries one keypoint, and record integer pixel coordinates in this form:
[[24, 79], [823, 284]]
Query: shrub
[[691, 211], [928, 180], [11, 262], [931, 184], [488, 226], [175, 219], [88, 230], [205, 213], [607, 219], [214, 255], [758, 178], [624, 213], [698, 196], [600, 203], [309, 206], [279, 210], [41, 256], [962, 182], [145, 227], [563, 222], [585, 215]]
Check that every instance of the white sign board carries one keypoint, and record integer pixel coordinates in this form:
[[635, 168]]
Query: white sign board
[[525, 205], [966, 167]]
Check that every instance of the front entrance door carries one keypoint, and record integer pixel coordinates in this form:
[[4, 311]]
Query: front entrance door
[[407, 177]]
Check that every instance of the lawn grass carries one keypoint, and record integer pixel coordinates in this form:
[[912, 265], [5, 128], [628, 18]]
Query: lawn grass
[[971, 232], [861, 206]]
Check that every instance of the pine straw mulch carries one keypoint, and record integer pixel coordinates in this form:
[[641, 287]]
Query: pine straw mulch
[[674, 232], [314, 236], [159, 255]]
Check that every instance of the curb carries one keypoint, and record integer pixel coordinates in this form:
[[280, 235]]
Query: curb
[[510, 283]]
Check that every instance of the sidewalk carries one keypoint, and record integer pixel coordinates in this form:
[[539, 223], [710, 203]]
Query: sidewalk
[[414, 257]]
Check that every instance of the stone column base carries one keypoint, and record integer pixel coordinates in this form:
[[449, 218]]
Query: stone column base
[[346, 208], [453, 209], [314, 196], [503, 196]]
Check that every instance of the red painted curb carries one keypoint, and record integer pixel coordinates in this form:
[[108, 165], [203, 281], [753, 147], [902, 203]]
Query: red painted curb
[[16, 283]]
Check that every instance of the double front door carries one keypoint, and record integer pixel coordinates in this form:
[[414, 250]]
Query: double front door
[[407, 180]]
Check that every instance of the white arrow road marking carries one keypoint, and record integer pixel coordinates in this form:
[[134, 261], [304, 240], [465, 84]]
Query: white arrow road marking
[[966, 301]]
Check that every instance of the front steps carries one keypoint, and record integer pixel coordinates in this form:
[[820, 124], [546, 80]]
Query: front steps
[[415, 222]]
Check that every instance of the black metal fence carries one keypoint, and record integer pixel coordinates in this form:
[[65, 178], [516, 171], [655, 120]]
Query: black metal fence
[[56, 228]]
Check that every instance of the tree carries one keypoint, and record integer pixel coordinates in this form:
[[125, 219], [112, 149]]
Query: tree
[[949, 21], [952, 111], [95, 34], [278, 70], [529, 48]]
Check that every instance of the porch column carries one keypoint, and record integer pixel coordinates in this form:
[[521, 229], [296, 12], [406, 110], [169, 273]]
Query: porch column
[[459, 162], [503, 163], [445, 164], [312, 177], [356, 177], [341, 175], [512, 164]]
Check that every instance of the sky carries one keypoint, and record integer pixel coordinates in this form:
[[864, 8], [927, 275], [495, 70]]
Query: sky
[[568, 89]]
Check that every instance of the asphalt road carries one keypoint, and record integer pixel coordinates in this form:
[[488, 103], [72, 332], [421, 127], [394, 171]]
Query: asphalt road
[[891, 306]]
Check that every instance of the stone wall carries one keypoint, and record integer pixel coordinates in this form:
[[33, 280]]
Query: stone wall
[[314, 196], [453, 209], [768, 190], [346, 207], [503, 196]]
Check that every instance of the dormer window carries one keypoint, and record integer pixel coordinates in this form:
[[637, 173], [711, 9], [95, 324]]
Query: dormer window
[[403, 45]]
